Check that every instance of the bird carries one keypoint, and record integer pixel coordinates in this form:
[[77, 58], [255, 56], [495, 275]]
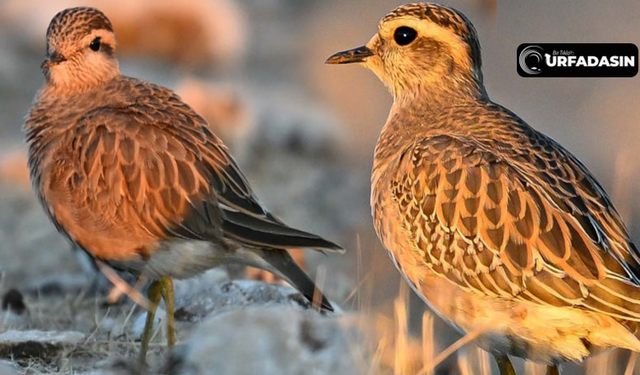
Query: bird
[[498, 228], [134, 176]]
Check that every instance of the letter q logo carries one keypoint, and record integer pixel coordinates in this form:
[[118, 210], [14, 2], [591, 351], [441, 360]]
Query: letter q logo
[[531, 59]]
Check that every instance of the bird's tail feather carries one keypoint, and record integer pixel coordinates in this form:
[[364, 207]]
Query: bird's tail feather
[[286, 268], [268, 232]]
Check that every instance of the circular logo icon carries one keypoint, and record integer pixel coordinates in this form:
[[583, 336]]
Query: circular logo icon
[[531, 60]]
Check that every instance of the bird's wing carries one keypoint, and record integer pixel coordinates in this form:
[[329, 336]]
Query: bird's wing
[[524, 230], [162, 162]]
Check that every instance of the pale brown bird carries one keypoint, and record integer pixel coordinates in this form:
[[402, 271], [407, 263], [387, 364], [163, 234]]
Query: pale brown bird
[[132, 175], [494, 224]]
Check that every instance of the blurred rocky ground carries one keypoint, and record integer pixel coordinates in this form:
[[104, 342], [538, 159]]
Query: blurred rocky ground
[[304, 134]]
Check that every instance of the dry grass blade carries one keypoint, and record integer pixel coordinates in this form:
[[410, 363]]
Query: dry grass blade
[[357, 288], [464, 363], [360, 278], [631, 364], [469, 337], [401, 363], [428, 347], [600, 364], [317, 294], [123, 286]]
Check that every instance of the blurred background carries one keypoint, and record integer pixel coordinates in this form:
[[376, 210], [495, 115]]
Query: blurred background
[[304, 132]]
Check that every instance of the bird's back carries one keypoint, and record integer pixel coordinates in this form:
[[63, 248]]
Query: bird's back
[[96, 159], [129, 165], [474, 196]]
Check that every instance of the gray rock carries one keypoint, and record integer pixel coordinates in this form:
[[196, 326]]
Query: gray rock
[[7, 368], [201, 283], [137, 327], [37, 344], [240, 293], [270, 340], [9, 319], [117, 367], [206, 298]]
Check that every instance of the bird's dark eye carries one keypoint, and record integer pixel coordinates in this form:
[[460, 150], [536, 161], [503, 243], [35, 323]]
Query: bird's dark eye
[[404, 35], [95, 44]]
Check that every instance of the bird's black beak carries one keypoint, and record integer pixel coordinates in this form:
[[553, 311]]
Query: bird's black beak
[[355, 55], [52, 59]]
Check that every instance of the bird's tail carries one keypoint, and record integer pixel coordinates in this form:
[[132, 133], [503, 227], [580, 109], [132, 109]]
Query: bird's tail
[[269, 232], [284, 266]]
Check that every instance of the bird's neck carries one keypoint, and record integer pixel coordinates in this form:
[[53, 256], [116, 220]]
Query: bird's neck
[[431, 97], [69, 80], [428, 110]]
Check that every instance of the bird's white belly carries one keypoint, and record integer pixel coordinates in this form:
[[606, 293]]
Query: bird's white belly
[[176, 259], [181, 259]]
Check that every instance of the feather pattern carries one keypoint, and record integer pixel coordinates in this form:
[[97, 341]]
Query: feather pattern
[[145, 168], [515, 216], [491, 222]]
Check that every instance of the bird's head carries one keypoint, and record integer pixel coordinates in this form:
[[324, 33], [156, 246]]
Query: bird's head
[[421, 46], [80, 49]]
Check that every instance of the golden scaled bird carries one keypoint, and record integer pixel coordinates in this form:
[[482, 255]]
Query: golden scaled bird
[[132, 175], [492, 223]]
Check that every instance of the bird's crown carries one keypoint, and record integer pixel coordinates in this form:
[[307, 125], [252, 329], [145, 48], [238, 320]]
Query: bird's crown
[[79, 20], [444, 19], [73, 24], [443, 16]]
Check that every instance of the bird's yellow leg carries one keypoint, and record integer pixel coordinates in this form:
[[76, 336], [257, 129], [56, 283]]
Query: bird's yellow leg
[[504, 365], [154, 299], [166, 289]]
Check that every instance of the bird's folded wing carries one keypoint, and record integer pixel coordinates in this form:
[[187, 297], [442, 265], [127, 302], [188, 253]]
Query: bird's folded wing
[[166, 167], [517, 229]]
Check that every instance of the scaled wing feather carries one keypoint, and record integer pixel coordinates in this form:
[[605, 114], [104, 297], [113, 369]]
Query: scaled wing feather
[[516, 229]]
